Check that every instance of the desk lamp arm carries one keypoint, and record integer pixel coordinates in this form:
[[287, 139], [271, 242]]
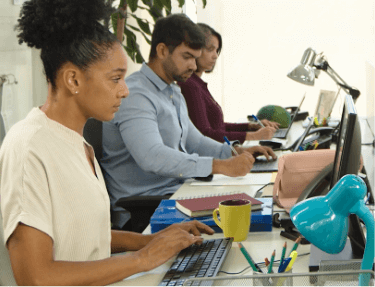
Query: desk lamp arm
[[337, 79], [368, 257]]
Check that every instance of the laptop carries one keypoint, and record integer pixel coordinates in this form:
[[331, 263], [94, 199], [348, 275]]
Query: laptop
[[282, 133], [262, 165]]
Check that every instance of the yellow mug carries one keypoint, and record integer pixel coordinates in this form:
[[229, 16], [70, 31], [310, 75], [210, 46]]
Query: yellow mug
[[235, 217]]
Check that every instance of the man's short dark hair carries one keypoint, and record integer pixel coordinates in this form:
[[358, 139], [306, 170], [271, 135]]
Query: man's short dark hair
[[174, 30]]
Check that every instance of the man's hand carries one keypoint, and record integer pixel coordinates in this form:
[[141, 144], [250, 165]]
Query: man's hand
[[262, 150], [170, 241], [235, 166]]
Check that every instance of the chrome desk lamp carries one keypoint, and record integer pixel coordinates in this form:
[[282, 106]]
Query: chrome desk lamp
[[309, 68]]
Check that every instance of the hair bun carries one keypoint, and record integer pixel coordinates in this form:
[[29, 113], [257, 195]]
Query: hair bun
[[45, 23]]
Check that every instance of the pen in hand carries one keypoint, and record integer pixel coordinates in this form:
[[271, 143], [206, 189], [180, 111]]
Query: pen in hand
[[231, 147], [258, 121]]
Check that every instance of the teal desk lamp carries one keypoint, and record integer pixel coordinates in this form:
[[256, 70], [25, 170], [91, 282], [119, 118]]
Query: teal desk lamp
[[323, 220]]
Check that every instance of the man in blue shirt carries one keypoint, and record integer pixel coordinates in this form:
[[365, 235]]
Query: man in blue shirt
[[151, 147]]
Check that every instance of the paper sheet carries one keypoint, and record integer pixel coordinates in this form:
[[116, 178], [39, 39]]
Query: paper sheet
[[249, 179]]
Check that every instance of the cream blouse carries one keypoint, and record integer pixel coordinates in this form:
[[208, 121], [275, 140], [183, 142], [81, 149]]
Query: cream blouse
[[47, 183]]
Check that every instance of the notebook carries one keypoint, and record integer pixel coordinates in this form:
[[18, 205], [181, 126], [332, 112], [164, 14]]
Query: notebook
[[203, 206], [282, 133]]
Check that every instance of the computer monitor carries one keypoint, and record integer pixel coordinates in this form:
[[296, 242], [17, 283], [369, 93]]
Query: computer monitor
[[347, 161]]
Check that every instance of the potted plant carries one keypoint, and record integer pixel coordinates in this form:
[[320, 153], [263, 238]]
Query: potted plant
[[125, 31]]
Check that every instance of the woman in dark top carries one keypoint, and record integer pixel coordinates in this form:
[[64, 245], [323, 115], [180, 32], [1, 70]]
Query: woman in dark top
[[205, 112]]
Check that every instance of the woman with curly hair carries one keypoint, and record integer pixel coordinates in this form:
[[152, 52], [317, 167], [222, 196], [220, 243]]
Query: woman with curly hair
[[55, 208], [204, 111]]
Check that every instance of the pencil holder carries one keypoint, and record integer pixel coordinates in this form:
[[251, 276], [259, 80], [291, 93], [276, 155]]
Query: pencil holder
[[273, 279]]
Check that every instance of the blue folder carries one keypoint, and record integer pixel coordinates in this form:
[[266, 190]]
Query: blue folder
[[167, 214]]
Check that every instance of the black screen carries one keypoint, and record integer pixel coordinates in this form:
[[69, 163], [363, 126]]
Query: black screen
[[347, 161]]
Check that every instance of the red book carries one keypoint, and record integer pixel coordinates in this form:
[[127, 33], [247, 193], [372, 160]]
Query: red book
[[204, 206]]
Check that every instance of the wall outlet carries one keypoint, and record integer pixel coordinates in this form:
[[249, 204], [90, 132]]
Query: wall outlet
[[18, 2]]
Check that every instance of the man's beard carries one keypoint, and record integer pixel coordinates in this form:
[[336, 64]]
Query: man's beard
[[170, 68]]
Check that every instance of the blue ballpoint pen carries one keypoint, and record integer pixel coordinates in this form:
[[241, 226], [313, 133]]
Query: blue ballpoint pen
[[258, 121], [232, 148]]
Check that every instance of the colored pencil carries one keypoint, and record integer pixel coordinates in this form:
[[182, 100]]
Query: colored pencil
[[283, 253], [272, 260], [253, 265], [298, 240]]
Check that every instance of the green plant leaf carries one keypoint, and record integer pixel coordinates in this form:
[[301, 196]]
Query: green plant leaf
[[147, 39], [158, 4], [181, 3], [129, 34], [133, 4], [144, 26], [155, 13], [130, 52], [167, 4], [134, 28], [204, 3], [143, 34], [114, 18], [147, 2], [139, 58]]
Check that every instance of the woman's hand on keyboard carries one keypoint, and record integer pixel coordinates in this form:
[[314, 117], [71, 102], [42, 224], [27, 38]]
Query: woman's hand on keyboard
[[194, 227], [170, 241]]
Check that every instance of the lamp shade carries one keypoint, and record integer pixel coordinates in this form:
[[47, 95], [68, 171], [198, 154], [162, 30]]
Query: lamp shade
[[304, 73], [323, 220]]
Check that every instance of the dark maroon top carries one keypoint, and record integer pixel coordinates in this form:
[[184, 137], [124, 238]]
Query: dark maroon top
[[206, 114]]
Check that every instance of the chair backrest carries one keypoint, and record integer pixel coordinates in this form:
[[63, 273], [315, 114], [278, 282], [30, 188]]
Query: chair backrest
[[93, 134]]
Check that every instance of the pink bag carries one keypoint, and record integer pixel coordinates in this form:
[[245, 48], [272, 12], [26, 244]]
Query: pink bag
[[296, 171]]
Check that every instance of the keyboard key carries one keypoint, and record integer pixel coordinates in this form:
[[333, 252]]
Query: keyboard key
[[197, 261]]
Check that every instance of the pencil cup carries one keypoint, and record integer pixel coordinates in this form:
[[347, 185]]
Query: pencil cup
[[234, 218], [273, 279]]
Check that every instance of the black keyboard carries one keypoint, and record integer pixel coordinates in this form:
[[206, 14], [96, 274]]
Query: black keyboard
[[196, 261], [262, 165]]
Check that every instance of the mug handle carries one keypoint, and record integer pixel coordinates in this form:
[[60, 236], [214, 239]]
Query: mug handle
[[217, 221]]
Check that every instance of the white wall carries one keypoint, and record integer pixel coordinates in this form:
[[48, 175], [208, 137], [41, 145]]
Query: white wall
[[264, 39], [15, 59]]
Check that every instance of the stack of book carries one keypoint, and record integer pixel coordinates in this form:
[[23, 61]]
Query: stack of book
[[182, 210]]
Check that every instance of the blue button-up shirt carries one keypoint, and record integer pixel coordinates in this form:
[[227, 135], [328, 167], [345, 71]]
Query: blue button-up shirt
[[151, 146]]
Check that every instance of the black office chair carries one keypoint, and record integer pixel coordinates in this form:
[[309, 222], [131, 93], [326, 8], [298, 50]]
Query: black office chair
[[141, 208]]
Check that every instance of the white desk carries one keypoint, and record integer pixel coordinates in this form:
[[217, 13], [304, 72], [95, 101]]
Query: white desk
[[258, 244]]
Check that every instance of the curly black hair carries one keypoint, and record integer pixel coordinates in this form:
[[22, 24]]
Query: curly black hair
[[65, 31], [174, 30]]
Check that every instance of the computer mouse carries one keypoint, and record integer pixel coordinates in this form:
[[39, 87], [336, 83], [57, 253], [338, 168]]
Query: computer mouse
[[270, 143]]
